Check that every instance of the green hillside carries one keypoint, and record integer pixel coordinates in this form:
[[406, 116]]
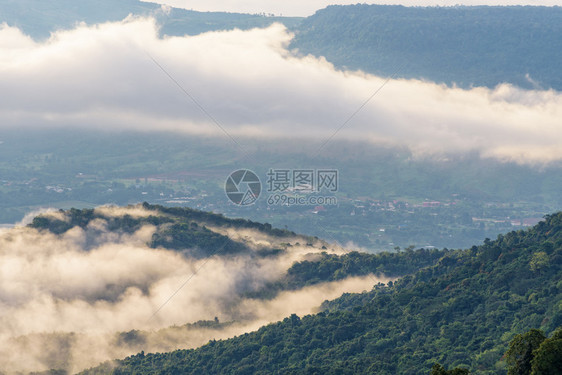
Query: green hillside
[[461, 312], [177, 228], [468, 46], [186, 230], [245, 248]]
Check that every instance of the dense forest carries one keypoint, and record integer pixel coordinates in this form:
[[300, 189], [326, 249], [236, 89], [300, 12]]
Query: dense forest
[[491, 308], [467, 46], [263, 266], [463, 313]]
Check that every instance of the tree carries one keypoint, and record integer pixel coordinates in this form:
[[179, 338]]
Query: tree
[[538, 261], [458, 371], [520, 352], [437, 369], [547, 358]]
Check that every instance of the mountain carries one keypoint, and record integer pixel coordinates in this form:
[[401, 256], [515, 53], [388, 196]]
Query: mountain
[[178, 228], [155, 288], [186, 230], [462, 45], [385, 198], [462, 311], [83, 286]]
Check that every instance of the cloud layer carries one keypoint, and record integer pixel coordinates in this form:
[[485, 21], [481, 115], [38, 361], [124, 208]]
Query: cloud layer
[[65, 298], [105, 77]]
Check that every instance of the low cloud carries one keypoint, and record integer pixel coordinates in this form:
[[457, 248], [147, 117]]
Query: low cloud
[[103, 77], [65, 298]]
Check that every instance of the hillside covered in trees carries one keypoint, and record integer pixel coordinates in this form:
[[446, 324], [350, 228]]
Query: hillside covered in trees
[[467, 46], [187, 231], [462, 312], [114, 281]]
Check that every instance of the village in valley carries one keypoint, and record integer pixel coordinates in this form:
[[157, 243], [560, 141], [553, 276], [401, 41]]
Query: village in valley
[[372, 224]]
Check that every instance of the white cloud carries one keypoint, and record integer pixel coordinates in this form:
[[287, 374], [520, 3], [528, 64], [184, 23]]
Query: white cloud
[[103, 77], [73, 293]]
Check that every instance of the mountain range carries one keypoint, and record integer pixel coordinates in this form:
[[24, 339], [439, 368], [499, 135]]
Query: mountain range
[[438, 250], [461, 310]]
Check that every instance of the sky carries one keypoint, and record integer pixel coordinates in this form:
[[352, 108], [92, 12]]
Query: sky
[[121, 75], [308, 7]]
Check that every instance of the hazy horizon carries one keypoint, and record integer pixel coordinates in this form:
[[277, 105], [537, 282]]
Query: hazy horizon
[[295, 8]]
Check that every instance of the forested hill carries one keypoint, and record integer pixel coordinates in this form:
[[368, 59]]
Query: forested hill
[[181, 229], [266, 274], [187, 230], [461, 312], [480, 46]]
